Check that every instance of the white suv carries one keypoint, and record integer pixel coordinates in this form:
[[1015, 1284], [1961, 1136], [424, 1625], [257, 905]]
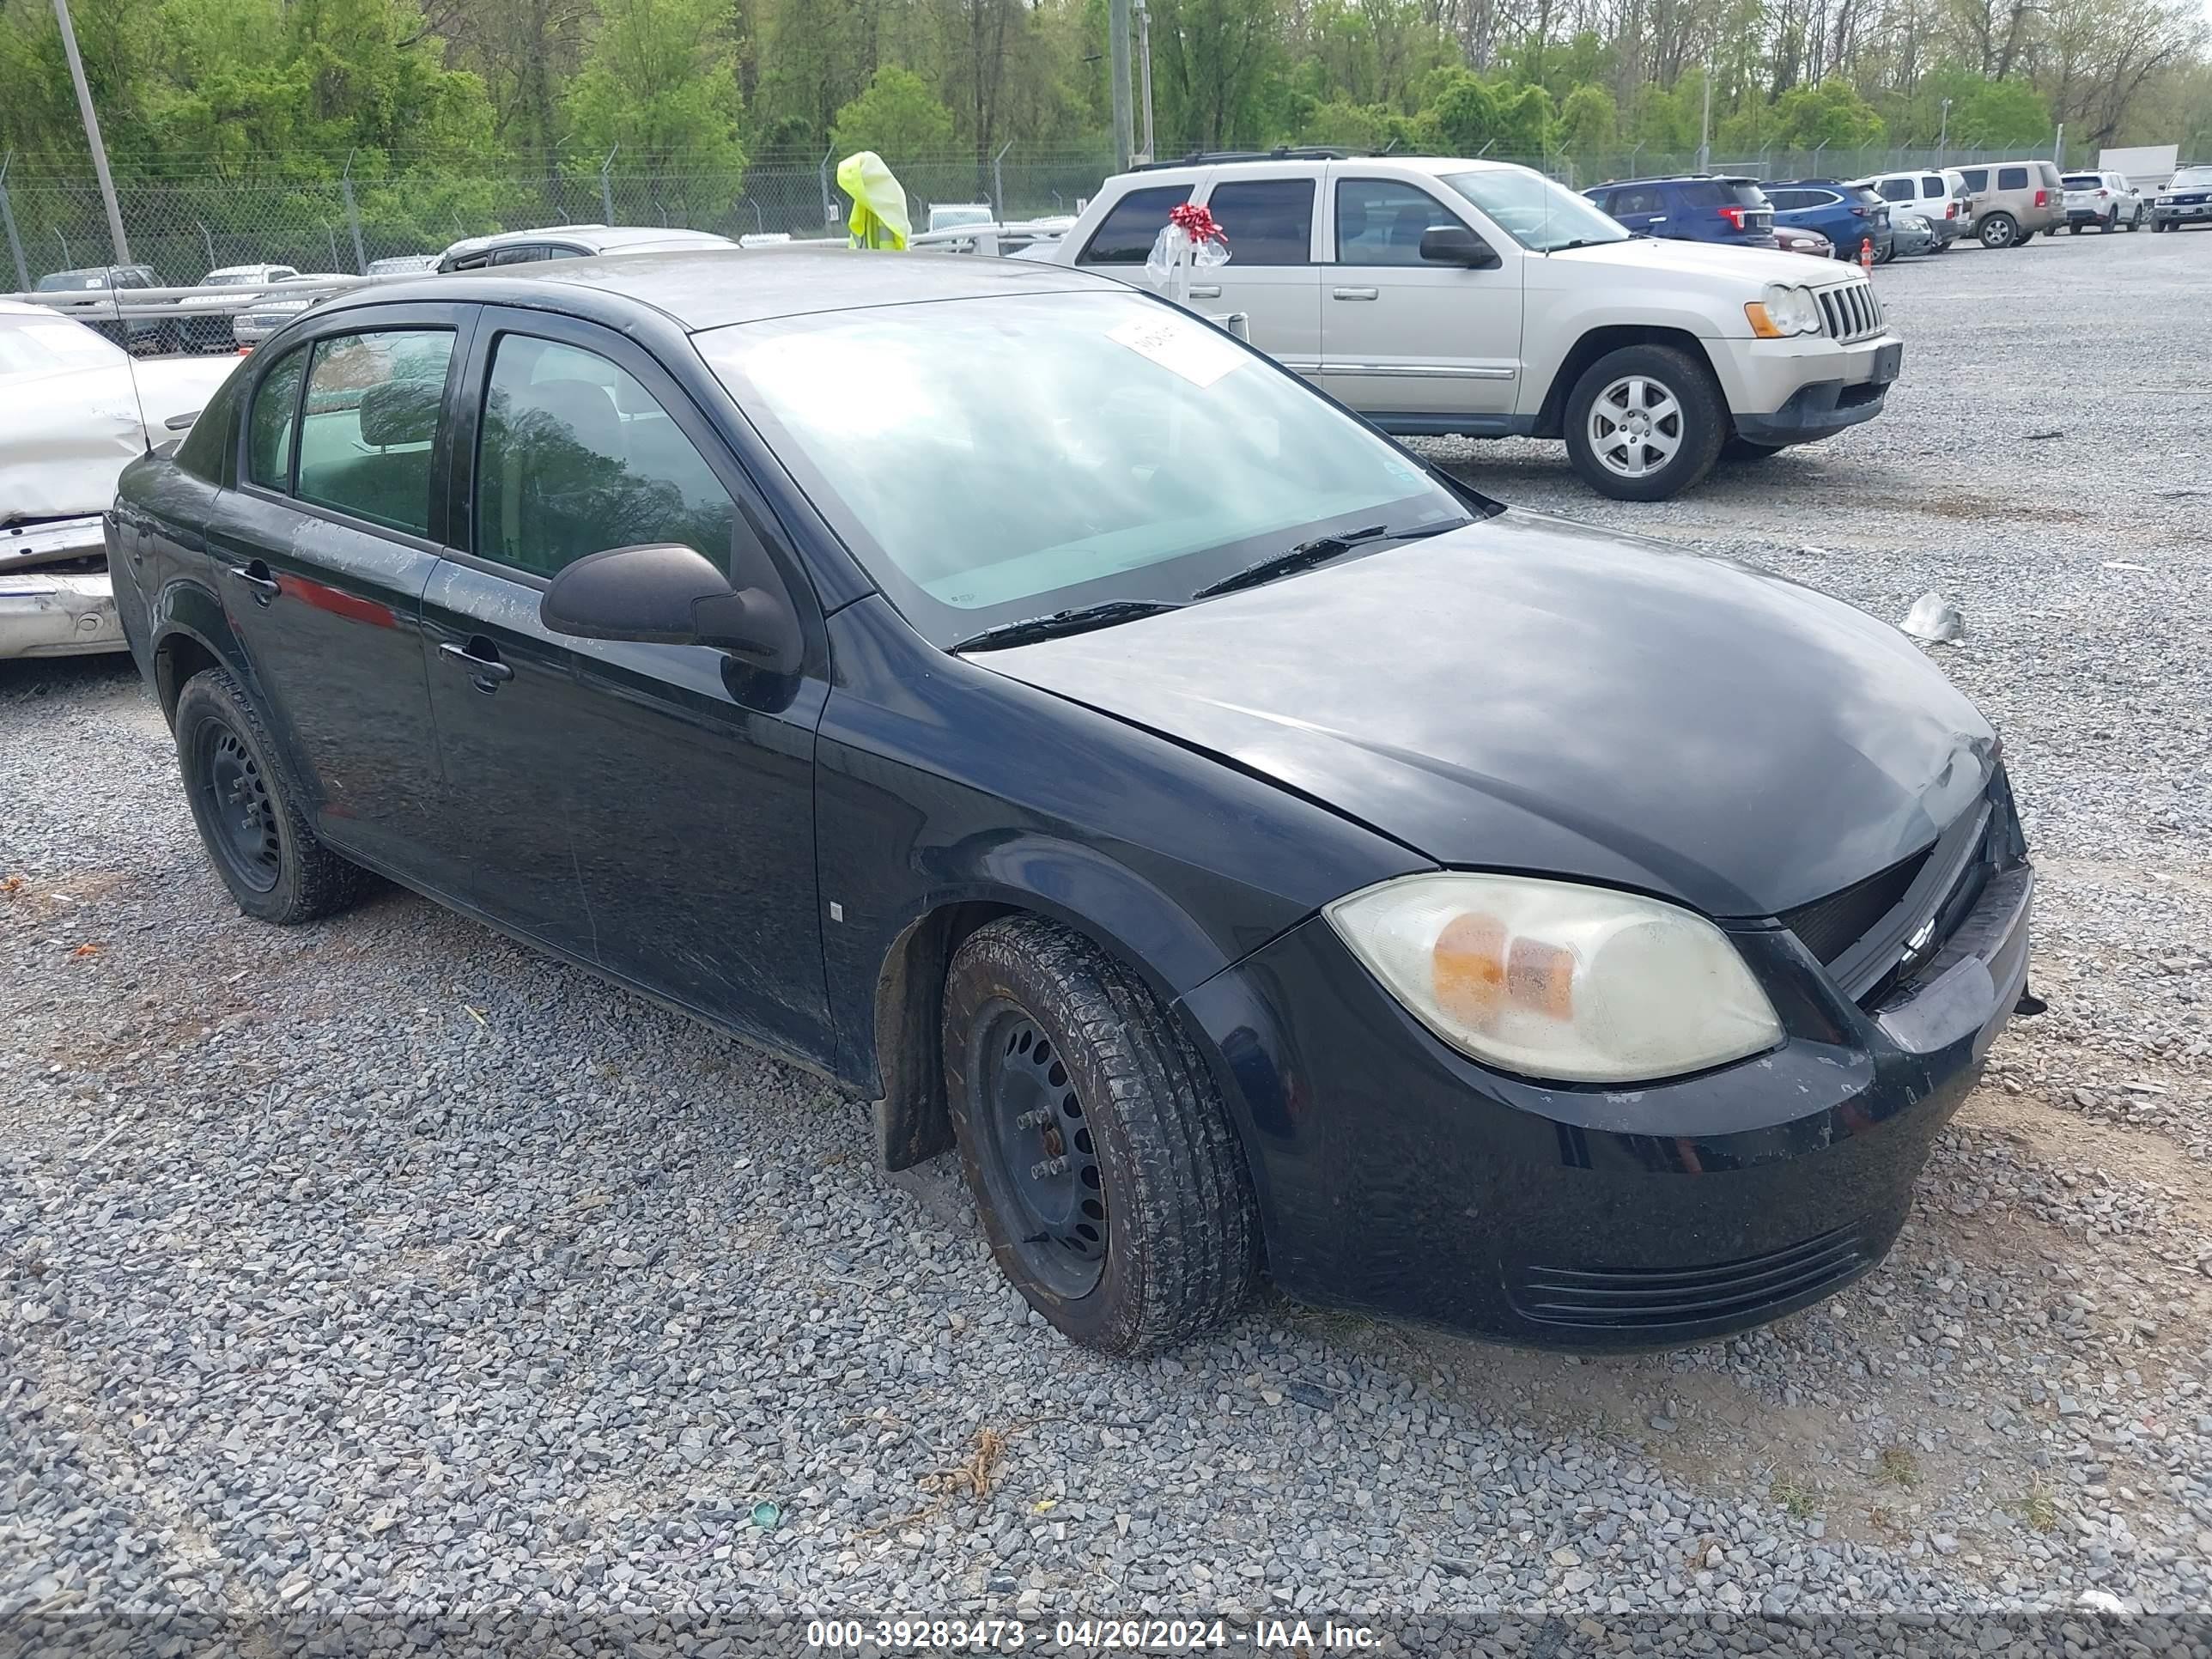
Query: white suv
[[1937, 195], [1436, 294], [2105, 200]]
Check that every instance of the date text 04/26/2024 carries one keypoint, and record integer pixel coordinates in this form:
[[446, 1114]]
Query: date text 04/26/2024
[[1090, 1635]]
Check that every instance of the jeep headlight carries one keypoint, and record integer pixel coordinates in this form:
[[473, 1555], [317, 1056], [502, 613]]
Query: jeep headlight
[[1782, 311], [1552, 979]]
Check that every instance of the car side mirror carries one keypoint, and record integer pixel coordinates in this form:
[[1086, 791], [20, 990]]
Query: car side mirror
[[665, 593], [1455, 245]]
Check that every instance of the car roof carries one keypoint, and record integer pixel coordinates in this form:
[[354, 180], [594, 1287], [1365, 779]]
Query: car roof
[[604, 238], [704, 287], [1684, 178], [1154, 173]]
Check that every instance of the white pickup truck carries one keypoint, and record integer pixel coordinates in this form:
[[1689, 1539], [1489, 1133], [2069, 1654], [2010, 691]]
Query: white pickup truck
[[1438, 294]]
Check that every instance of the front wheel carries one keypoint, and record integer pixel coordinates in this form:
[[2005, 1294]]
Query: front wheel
[[1111, 1184], [256, 836], [1645, 423]]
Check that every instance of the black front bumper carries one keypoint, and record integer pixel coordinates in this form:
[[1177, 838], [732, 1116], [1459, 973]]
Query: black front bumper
[[1816, 411], [1399, 1177]]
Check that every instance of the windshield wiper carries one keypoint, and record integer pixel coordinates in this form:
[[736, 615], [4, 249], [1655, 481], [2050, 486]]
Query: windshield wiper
[[1320, 550], [1586, 241], [1080, 620]]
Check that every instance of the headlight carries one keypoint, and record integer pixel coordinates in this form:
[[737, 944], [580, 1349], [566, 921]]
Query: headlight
[[2166, 201], [1555, 980], [1783, 310]]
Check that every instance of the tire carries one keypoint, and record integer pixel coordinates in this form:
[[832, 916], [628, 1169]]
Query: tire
[[2111, 223], [1038, 1020], [2073, 230], [1700, 422], [1743, 449], [2024, 238], [1998, 230], [267, 856]]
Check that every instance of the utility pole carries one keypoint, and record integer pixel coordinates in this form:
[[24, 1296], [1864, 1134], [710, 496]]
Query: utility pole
[[2058, 149], [1705, 121], [1144, 73], [92, 135], [1117, 46], [1944, 137]]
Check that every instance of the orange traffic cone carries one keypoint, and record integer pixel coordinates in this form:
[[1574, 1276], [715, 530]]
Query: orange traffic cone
[[1866, 253]]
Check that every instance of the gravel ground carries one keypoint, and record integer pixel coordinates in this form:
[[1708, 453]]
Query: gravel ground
[[385, 1268]]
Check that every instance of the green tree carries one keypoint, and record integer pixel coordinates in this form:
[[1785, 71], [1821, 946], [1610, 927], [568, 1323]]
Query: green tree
[[658, 79], [1589, 122], [1465, 115], [1832, 114], [2001, 115], [898, 116]]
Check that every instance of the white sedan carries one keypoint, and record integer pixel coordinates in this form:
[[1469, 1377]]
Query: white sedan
[[73, 411]]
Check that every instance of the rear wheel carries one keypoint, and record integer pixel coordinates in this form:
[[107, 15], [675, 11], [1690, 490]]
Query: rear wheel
[[1999, 230], [1645, 423], [1111, 1184], [255, 835]]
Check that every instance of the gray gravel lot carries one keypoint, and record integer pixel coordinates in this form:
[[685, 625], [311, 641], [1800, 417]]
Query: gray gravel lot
[[385, 1268]]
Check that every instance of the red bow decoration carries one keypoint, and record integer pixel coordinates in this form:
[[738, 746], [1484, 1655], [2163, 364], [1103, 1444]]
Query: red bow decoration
[[1197, 223]]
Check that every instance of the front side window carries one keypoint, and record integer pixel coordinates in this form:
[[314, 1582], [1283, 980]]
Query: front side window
[[269, 428], [1126, 235], [1976, 178], [528, 254], [1380, 221], [370, 420], [1537, 213], [574, 457], [996, 460], [1268, 221], [2012, 178]]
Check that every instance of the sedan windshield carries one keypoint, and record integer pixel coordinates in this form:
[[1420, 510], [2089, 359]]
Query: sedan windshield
[[998, 460], [1534, 211]]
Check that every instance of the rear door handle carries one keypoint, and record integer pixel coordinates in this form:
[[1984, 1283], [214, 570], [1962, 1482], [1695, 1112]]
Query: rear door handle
[[489, 673], [256, 576], [1356, 293], [1205, 290]]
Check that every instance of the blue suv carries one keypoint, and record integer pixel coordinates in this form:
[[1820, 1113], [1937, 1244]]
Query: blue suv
[[1847, 215], [1700, 209]]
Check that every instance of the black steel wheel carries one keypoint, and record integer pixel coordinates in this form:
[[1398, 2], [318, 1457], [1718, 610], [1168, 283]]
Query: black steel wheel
[[1111, 1181], [1040, 1161], [235, 799], [261, 844]]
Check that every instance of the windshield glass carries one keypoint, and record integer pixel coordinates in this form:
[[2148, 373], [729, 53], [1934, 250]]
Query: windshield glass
[[2192, 179], [39, 345], [1535, 212], [997, 460]]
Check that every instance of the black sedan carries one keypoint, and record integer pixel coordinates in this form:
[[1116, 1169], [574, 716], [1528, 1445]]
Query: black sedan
[[1010, 695]]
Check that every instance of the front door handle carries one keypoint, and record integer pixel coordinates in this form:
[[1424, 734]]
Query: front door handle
[[256, 576], [1356, 293], [1205, 291], [490, 673]]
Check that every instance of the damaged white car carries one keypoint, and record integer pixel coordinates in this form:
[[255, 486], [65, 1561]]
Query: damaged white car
[[73, 411]]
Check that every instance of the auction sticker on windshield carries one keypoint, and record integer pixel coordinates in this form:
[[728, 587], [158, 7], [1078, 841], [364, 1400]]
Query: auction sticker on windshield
[[1199, 352]]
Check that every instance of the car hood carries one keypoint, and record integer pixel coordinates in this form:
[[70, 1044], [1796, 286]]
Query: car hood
[[68, 434], [1525, 694], [1753, 267]]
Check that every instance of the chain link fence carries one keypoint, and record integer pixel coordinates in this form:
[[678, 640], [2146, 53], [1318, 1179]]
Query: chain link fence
[[325, 216], [333, 218]]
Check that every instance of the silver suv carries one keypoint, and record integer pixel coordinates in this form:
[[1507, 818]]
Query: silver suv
[[1439, 294], [2014, 200]]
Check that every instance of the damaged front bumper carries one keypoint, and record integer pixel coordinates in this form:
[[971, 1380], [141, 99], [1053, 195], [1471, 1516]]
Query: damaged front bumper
[[55, 597]]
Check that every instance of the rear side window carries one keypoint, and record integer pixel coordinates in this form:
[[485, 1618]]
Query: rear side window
[[201, 453], [269, 431], [372, 415], [1930, 184], [2048, 172], [2012, 178], [528, 254], [1126, 235], [575, 456], [1269, 221]]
